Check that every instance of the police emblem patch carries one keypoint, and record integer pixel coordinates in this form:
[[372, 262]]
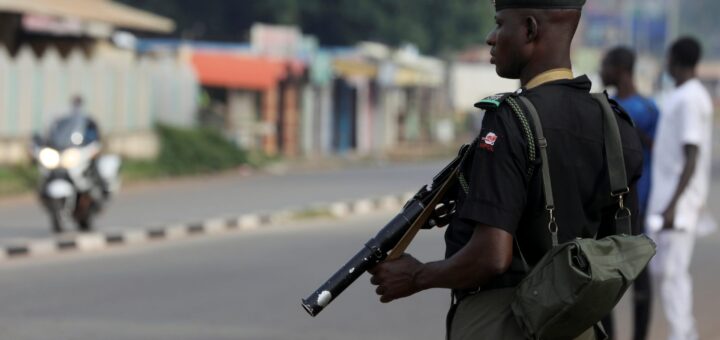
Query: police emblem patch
[[488, 142], [490, 139]]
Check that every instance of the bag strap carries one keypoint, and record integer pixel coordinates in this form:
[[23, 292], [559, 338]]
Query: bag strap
[[616, 164], [545, 169]]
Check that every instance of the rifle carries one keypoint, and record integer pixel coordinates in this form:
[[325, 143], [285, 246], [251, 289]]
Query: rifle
[[392, 240]]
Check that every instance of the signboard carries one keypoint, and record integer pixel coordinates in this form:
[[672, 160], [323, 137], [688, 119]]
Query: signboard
[[52, 25], [276, 41]]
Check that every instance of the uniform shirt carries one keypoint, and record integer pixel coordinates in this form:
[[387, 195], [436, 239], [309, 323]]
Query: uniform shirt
[[645, 114], [502, 194], [686, 118]]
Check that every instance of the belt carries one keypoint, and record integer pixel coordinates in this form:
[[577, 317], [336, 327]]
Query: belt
[[507, 280]]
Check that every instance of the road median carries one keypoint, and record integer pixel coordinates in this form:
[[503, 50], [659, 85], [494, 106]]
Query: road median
[[101, 240]]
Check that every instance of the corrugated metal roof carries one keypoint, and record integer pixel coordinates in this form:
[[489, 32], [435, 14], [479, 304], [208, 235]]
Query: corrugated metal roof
[[92, 10], [237, 71], [242, 71]]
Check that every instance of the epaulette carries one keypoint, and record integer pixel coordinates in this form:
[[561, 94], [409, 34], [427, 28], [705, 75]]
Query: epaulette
[[492, 102], [621, 112]]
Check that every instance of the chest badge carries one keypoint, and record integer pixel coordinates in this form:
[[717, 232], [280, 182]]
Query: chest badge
[[490, 139], [488, 142]]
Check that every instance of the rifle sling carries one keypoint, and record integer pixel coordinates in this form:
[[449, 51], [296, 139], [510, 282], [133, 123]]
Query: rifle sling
[[410, 234]]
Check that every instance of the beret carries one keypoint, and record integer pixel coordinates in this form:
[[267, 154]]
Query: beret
[[540, 4]]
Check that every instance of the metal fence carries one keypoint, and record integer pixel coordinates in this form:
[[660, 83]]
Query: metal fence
[[125, 95]]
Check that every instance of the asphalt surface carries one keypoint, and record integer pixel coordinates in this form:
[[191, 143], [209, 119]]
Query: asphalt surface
[[247, 287], [204, 198]]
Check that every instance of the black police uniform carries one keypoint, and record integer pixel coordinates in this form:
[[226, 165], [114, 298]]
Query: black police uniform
[[504, 186]]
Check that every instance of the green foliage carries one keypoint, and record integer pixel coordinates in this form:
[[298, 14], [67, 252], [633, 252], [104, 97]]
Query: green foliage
[[17, 179], [435, 26], [192, 151]]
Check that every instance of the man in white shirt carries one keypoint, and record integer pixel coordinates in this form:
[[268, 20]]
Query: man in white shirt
[[681, 171]]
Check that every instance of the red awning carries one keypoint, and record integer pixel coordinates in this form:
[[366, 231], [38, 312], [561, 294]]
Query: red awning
[[240, 71]]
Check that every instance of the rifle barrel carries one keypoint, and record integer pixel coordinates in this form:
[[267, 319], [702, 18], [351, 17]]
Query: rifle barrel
[[374, 252]]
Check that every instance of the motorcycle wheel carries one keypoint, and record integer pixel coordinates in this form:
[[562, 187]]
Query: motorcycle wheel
[[57, 224], [84, 213], [59, 216], [85, 225]]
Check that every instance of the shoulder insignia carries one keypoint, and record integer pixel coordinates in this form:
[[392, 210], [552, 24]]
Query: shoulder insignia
[[492, 102]]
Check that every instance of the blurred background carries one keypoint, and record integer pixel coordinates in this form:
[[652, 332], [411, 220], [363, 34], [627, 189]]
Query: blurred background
[[220, 108], [291, 78]]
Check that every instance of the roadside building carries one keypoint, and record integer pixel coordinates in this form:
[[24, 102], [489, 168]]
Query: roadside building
[[317, 101], [52, 50], [427, 115], [385, 98], [252, 97], [354, 105], [68, 25], [472, 78], [284, 95]]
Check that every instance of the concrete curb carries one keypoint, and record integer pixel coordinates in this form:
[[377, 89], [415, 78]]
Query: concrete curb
[[75, 243]]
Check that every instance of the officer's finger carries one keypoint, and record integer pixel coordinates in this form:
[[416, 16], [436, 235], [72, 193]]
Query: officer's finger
[[441, 209], [385, 299], [375, 281], [380, 290]]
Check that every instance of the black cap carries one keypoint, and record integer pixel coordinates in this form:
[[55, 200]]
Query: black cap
[[540, 4]]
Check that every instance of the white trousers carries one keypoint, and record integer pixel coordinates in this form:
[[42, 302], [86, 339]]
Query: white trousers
[[671, 269]]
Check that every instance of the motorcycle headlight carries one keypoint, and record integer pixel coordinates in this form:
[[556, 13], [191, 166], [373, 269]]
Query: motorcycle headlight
[[49, 158], [70, 158]]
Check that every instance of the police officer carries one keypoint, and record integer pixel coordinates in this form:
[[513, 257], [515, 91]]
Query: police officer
[[500, 214]]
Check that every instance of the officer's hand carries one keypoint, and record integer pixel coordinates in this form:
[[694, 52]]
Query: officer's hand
[[669, 218], [395, 279], [442, 215]]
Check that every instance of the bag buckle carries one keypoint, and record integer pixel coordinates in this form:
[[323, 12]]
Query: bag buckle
[[621, 203], [620, 193], [552, 225], [623, 214]]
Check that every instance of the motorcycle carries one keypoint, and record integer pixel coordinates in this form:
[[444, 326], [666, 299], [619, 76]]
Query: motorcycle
[[76, 180]]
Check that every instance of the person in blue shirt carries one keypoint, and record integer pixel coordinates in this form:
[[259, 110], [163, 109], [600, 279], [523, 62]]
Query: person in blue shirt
[[618, 67]]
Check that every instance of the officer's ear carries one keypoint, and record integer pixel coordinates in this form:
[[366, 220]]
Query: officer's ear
[[531, 24]]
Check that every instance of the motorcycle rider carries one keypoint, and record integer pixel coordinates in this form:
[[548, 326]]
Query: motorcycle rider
[[78, 115]]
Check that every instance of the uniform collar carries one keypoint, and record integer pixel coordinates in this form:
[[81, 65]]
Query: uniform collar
[[549, 76], [581, 83]]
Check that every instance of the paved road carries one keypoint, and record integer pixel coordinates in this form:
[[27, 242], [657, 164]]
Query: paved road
[[228, 195], [245, 286]]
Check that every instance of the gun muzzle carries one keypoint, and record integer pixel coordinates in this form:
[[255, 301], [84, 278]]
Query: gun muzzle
[[374, 252]]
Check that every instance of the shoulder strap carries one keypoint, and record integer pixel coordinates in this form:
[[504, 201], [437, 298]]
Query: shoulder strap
[[613, 147], [545, 168], [616, 163]]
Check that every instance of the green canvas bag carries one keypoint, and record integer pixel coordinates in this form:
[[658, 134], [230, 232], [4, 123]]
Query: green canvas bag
[[578, 283]]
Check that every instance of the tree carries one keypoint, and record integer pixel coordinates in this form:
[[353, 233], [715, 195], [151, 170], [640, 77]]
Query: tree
[[435, 26]]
